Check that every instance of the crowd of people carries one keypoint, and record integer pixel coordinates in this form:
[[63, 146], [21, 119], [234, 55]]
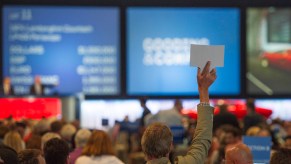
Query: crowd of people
[[212, 139]]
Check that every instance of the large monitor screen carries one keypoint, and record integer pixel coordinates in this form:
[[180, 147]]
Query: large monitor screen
[[269, 51], [158, 49], [71, 49]]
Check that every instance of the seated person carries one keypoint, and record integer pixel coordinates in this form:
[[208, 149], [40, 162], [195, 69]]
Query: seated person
[[98, 149], [8, 155], [56, 151], [157, 140]]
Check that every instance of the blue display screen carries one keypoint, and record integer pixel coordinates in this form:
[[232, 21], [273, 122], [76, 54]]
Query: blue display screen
[[158, 49], [73, 49]]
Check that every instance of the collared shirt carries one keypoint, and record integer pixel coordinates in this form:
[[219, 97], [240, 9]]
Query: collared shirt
[[163, 160]]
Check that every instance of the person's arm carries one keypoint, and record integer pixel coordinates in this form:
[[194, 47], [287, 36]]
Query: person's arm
[[203, 134], [205, 79]]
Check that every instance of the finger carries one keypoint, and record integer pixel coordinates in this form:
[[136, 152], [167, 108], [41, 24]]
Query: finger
[[214, 77], [213, 71], [206, 68], [198, 71]]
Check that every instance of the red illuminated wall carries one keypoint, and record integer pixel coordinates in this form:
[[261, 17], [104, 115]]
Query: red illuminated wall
[[34, 108]]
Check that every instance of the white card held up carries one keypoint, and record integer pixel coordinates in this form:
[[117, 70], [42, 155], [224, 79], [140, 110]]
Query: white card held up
[[200, 54]]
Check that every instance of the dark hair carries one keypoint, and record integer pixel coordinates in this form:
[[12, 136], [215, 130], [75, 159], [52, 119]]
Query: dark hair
[[287, 138], [56, 151], [143, 100], [223, 108], [282, 156], [3, 130], [251, 104], [8, 155], [29, 156], [236, 132], [21, 124], [34, 142], [56, 126]]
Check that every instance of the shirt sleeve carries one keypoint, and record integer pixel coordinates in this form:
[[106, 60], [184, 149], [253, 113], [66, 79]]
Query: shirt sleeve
[[201, 142]]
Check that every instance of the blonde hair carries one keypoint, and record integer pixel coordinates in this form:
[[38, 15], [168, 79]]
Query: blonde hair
[[14, 140], [68, 131], [99, 143], [82, 137], [253, 131]]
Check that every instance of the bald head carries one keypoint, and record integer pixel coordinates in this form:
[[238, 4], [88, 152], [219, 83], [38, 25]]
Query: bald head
[[239, 154]]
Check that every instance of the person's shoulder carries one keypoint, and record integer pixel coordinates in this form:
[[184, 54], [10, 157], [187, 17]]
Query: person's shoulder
[[83, 159], [76, 151], [164, 112], [112, 159]]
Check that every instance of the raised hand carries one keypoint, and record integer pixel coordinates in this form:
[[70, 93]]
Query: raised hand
[[205, 79]]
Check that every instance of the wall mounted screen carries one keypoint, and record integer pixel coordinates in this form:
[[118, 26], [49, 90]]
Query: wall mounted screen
[[269, 51], [158, 49], [72, 49]]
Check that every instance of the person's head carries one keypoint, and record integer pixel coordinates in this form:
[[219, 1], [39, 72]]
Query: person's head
[[3, 130], [223, 108], [42, 127], [250, 105], [30, 156], [56, 151], [253, 131], [20, 126], [232, 135], [225, 133], [6, 81], [13, 140], [82, 137], [37, 79], [157, 141], [178, 105], [287, 143], [143, 102], [48, 136], [8, 155], [281, 156], [239, 154], [68, 131], [264, 132], [56, 126], [98, 144], [34, 142]]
